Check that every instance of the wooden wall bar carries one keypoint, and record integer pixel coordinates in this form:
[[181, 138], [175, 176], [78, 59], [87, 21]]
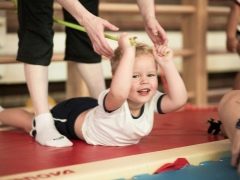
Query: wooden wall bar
[[194, 29]]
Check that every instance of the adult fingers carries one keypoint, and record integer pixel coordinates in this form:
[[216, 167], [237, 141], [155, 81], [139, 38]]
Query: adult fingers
[[100, 44], [110, 26], [162, 35], [102, 47], [157, 34]]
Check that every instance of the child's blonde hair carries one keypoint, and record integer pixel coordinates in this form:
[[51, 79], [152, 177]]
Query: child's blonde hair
[[141, 49]]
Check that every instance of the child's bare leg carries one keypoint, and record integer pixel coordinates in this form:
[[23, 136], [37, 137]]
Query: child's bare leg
[[17, 117]]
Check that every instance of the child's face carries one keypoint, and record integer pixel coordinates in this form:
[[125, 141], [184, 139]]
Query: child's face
[[144, 80]]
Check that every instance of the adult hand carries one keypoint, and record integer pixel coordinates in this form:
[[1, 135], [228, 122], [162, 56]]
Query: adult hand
[[236, 151], [152, 27], [155, 32], [95, 27]]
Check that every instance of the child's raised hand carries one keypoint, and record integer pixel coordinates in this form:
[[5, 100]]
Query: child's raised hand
[[124, 42], [162, 53]]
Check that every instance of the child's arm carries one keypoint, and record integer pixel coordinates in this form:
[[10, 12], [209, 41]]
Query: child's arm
[[232, 27], [176, 96], [122, 78]]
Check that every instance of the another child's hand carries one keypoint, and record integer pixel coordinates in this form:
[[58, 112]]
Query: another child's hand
[[162, 54], [124, 42]]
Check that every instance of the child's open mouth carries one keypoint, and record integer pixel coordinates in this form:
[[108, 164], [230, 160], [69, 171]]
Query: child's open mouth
[[144, 91]]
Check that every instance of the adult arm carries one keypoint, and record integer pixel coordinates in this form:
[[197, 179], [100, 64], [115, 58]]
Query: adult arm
[[94, 25], [152, 26]]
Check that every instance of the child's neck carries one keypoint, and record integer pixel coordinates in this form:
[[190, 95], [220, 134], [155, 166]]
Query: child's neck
[[135, 109]]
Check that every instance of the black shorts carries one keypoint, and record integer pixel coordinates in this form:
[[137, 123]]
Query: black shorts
[[35, 31], [69, 110], [36, 34], [78, 45]]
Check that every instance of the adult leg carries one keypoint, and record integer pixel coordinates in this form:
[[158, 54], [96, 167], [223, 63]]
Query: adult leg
[[35, 50], [92, 74], [37, 81], [79, 49]]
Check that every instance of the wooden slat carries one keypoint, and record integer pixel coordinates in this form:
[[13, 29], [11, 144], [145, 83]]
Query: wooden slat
[[213, 10], [218, 52], [9, 59], [122, 8], [218, 92], [7, 5], [132, 8], [183, 52], [211, 92]]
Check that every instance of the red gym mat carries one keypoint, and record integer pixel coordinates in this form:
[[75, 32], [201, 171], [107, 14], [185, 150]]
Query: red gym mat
[[19, 153]]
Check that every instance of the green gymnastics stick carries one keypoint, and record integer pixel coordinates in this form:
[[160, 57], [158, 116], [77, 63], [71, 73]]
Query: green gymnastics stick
[[14, 2], [81, 28]]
